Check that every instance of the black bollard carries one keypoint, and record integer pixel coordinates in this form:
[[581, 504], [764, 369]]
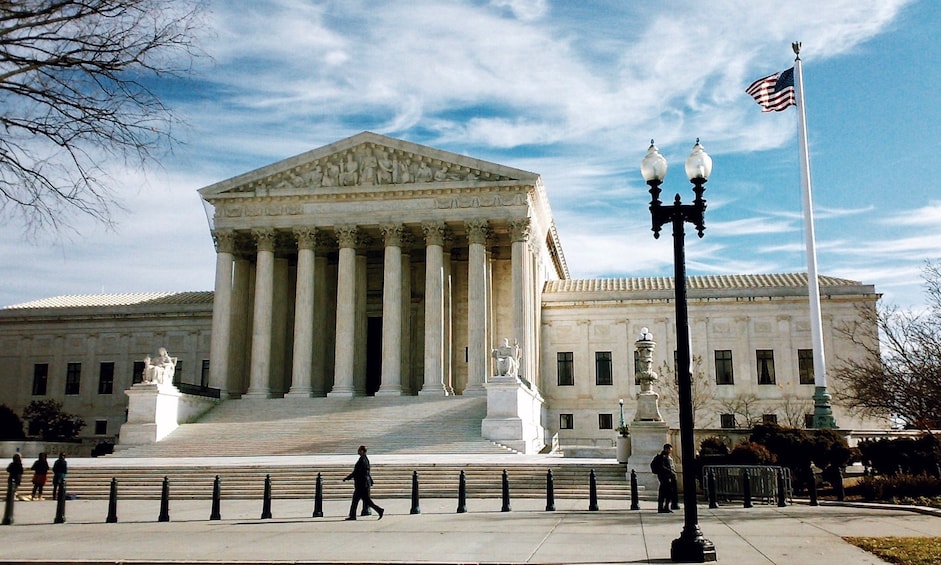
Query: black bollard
[[838, 486], [711, 487], [550, 492], [415, 509], [813, 488], [506, 492], [782, 496], [8, 506], [165, 501], [746, 488], [216, 513], [592, 492], [266, 503], [462, 494], [60, 505], [318, 498], [635, 502], [113, 502]]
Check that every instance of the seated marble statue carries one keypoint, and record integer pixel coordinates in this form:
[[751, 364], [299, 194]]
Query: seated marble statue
[[508, 358], [159, 370]]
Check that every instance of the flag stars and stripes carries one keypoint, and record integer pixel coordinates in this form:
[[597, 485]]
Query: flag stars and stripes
[[774, 92]]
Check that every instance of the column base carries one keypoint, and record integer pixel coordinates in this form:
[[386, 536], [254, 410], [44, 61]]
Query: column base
[[433, 392], [340, 394], [255, 394], [389, 391], [299, 393], [475, 390]]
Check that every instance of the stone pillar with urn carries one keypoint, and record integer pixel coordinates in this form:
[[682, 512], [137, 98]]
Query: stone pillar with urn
[[648, 431]]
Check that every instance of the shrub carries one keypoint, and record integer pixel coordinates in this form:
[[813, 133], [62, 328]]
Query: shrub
[[901, 485], [750, 453], [51, 421], [910, 456], [11, 427]]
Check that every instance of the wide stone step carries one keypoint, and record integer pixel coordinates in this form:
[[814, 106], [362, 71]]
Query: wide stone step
[[392, 481]]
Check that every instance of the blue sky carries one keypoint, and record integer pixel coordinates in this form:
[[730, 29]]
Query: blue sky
[[573, 91]]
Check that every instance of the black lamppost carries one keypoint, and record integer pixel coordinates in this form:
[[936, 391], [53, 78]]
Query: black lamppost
[[691, 546]]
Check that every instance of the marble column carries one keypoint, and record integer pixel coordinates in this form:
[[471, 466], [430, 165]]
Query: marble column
[[362, 321], [344, 352], [241, 346], [434, 309], [446, 353], [391, 377], [260, 374], [222, 313], [320, 329], [477, 351], [519, 234], [406, 332], [301, 384]]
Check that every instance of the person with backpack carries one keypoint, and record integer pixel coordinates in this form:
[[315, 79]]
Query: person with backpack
[[662, 465]]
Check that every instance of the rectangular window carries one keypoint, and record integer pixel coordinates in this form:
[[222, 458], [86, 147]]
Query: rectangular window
[[724, 367], [40, 378], [101, 427], [138, 375], [106, 378], [204, 375], [605, 422], [566, 422], [809, 421], [769, 418], [805, 366], [727, 420], [73, 378], [178, 373], [765, 359], [565, 362], [603, 375]]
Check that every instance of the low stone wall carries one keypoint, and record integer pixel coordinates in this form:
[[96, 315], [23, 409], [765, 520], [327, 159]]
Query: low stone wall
[[31, 449]]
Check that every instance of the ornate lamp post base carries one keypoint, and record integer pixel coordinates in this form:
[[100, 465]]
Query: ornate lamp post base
[[823, 413], [692, 548]]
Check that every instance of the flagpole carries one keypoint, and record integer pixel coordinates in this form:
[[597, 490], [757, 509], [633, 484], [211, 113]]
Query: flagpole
[[823, 412]]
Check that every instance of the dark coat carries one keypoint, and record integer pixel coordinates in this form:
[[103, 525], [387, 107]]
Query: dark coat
[[362, 478], [15, 470]]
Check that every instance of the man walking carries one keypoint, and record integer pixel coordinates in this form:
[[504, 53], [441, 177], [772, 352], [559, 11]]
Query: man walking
[[362, 481], [666, 473]]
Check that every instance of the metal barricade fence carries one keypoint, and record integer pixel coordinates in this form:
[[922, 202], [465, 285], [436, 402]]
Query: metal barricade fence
[[763, 481]]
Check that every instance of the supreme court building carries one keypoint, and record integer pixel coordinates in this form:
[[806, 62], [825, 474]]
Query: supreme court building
[[376, 266]]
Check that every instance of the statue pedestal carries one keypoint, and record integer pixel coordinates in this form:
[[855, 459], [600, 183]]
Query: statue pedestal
[[647, 439], [514, 415], [152, 413]]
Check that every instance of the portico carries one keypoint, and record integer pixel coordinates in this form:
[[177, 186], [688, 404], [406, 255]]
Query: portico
[[376, 266]]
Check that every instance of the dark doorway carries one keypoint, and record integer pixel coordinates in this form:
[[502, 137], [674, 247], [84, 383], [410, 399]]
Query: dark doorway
[[373, 355]]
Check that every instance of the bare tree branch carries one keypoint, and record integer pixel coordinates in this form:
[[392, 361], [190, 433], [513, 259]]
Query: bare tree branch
[[75, 91]]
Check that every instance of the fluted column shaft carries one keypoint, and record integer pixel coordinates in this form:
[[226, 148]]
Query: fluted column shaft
[[519, 233], [344, 353], [261, 326], [222, 313], [477, 351], [434, 309], [303, 313], [391, 377]]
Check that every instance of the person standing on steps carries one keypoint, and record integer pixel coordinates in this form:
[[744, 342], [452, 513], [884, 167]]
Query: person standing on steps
[[362, 481], [40, 471], [59, 469]]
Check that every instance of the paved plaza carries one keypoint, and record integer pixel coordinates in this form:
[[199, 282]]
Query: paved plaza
[[527, 534]]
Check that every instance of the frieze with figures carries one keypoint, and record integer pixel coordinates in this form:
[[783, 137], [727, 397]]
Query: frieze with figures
[[370, 165]]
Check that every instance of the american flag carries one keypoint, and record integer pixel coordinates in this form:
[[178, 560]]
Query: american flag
[[774, 92]]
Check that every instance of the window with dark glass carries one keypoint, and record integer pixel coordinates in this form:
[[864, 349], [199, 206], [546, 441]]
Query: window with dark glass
[[566, 422], [636, 364], [73, 378], [101, 427], [724, 367], [603, 368], [138, 375], [565, 362], [765, 359], [605, 422], [204, 375], [805, 366], [106, 378], [809, 421], [178, 373], [40, 378], [727, 420], [769, 418]]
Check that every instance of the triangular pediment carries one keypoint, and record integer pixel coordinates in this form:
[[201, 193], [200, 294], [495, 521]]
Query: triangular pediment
[[368, 161]]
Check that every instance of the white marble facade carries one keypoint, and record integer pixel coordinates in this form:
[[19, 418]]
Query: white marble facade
[[375, 266]]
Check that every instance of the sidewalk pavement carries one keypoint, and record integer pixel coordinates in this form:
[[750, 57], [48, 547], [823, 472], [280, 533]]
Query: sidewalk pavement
[[795, 534]]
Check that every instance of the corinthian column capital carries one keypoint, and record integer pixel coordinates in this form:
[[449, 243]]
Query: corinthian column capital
[[224, 240], [477, 231], [306, 237], [435, 233], [347, 235], [264, 238], [393, 234], [519, 229]]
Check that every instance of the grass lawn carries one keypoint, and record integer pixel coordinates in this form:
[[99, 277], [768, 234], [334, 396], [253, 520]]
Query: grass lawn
[[905, 551]]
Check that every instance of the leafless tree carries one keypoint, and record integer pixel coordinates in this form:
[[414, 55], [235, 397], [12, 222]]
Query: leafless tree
[[77, 89], [702, 389], [794, 409], [899, 374], [746, 409]]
